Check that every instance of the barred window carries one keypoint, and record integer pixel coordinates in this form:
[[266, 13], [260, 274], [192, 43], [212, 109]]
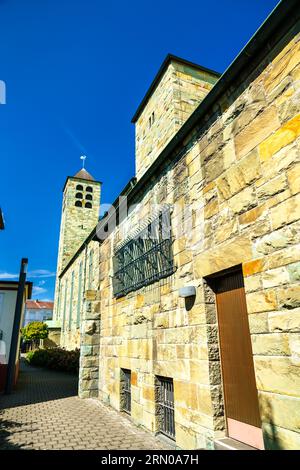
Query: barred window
[[144, 259], [165, 406], [126, 390]]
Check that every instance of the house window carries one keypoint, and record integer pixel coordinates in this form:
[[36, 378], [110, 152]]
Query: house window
[[71, 301], [79, 295], [144, 259], [165, 406], [89, 189], [79, 187], [126, 390], [78, 204]]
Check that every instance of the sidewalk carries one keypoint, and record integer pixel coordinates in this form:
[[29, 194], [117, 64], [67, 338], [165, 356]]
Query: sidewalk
[[44, 412]]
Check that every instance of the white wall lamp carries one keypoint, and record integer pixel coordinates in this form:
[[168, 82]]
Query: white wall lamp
[[186, 292], [189, 295]]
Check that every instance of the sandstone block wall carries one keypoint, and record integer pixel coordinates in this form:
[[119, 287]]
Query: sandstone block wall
[[53, 339], [72, 310], [89, 346], [181, 89], [237, 179], [234, 189]]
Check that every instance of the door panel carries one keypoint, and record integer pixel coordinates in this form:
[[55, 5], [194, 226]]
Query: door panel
[[240, 393]]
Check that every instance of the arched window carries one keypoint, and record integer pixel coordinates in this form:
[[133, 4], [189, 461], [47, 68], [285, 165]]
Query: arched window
[[79, 295], [91, 255], [88, 205], [79, 195], [79, 187], [71, 301], [89, 189], [78, 204], [65, 306], [89, 197]]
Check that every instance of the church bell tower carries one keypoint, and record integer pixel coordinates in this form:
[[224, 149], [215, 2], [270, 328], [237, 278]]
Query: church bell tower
[[80, 215]]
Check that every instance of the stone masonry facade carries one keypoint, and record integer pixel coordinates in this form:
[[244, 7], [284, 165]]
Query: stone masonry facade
[[178, 92], [233, 186], [76, 225]]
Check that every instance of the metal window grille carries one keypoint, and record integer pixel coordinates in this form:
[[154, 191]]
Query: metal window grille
[[144, 259], [166, 407], [126, 391]]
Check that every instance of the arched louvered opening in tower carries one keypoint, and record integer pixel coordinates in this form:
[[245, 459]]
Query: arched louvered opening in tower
[[89, 197], [88, 205], [78, 204], [79, 196], [89, 189], [79, 187]]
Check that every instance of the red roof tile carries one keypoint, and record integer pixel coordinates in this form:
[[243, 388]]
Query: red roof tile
[[37, 304]]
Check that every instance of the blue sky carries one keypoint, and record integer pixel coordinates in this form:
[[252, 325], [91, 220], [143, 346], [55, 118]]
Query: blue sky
[[75, 72]]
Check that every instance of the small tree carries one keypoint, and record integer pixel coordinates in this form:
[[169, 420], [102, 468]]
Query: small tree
[[34, 332]]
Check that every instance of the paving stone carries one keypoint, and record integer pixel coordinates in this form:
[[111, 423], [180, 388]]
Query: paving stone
[[44, 412]]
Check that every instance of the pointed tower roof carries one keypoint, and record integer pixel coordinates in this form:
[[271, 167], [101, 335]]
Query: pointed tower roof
[[81, 175], [84, 175]]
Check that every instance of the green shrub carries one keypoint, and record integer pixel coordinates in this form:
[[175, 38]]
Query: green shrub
[[35, 331], [55, 359], [38, 357]]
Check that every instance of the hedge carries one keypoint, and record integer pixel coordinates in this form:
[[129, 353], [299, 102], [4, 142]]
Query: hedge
[[55, 359]]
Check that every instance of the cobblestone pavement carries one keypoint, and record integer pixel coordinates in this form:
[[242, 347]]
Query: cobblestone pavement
[[45, 413]]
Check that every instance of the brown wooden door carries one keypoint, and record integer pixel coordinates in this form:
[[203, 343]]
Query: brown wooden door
[[240, 393]]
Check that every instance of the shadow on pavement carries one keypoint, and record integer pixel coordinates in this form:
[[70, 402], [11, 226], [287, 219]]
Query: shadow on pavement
[[36, 385]]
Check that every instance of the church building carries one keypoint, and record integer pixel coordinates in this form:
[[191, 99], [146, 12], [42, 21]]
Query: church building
[[184, 299]]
